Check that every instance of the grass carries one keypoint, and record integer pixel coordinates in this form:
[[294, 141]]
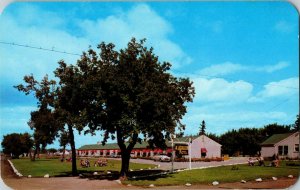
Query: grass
[[54, 167], [221, 174]]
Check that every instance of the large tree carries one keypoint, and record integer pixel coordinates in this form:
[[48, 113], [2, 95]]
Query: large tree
[[70, 102], [130, 95], [44, 120], [16, 144], [274, 128]]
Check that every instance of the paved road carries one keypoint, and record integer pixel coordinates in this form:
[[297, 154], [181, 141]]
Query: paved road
[[195, 165]]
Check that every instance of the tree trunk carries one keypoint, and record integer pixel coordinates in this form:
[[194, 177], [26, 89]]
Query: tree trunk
[[72, 144], [30, 156], [34, 154], [125, 151], [63, 154], [125, 164]]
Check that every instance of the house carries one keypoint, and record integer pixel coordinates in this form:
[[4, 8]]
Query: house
[[284, 145], [201, 146], [205, 147]]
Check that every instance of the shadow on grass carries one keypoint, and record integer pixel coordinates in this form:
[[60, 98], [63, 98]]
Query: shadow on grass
[[151, 175], [114, 175]]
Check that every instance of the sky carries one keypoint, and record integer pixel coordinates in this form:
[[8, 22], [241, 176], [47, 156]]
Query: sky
[[243, 57]]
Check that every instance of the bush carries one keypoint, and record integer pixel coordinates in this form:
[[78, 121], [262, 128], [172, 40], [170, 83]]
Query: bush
[[292, 164]]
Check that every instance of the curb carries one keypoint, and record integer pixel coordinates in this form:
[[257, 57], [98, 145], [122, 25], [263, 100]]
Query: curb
[[15, 170]]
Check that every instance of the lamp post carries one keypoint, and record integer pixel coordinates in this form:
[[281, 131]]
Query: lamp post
[[172, 141], [190, 153]]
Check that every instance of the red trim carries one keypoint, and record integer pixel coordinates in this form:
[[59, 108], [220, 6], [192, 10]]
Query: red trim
[[158, 150], [203, 150]]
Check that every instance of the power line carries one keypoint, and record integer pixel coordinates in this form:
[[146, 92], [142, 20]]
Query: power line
[[211, 76], [286, 100], [38, 48]]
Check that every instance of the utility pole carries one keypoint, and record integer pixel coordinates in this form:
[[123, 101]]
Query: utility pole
[[172, 169], [190, 153], [172, 141]]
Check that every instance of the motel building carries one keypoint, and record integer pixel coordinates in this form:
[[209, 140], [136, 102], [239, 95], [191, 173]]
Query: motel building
[[200, 146], [283, 145]]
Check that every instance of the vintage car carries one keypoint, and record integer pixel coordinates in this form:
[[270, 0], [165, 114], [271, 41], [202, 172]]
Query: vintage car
[[161, 158]]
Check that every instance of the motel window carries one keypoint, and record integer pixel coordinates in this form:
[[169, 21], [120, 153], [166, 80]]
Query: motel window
[[283, 150], [296, 147]]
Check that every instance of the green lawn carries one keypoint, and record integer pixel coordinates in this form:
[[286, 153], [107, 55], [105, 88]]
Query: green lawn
[[54, 167], [221, 174]]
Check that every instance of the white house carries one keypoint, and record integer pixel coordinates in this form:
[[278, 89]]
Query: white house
[[203, 147], [284, 145]]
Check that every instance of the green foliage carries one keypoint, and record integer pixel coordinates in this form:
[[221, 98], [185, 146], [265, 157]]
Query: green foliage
[[64, 138], [44, 120], [275, 128], [52, 150], [246, 141], [16, 144], [130, 93], [297, 125], [202, 128], [125, 94]]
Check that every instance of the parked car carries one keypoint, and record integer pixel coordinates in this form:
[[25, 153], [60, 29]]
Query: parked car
[[132, 156], [161, 158], [114, 156]]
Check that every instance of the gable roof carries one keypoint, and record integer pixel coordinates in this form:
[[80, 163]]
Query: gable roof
[[276, 138]]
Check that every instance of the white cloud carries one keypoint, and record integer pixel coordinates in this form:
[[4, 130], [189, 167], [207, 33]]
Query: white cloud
[[228, 68], [272, 68], [220, 90], [282, 88], [222, 69], [219, 120], [140, 22], [284, 26], [19, 61]]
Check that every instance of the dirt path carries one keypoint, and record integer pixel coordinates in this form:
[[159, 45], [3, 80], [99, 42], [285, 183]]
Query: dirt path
[[74, 183]]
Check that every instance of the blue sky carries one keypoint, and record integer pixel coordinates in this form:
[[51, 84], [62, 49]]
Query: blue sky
[[241, 56]]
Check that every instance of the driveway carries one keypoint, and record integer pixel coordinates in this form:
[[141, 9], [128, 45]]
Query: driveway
[[195, 165]]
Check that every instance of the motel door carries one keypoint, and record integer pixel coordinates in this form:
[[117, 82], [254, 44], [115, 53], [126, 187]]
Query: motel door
[[203, 152]]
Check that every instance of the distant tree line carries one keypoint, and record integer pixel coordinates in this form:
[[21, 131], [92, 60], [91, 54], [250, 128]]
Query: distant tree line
[[16, 144], [246, 141]]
